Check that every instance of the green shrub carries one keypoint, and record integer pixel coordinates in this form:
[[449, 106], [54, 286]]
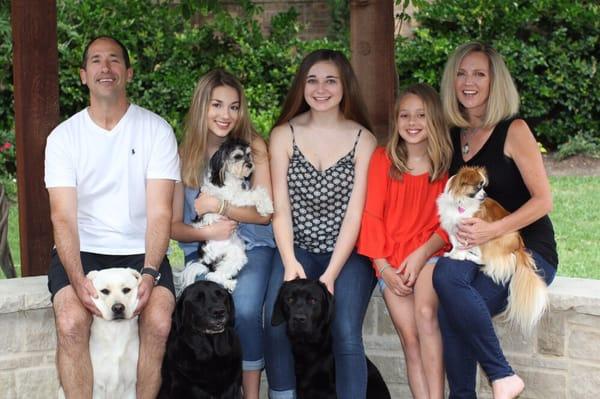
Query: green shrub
[[169, 53], [551, 48], [579, 144]]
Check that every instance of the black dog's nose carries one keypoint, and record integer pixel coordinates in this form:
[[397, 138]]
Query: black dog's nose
[[219, 314], [118, 308], [299, 318]]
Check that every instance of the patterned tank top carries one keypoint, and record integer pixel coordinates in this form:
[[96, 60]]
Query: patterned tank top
[[319, 199]]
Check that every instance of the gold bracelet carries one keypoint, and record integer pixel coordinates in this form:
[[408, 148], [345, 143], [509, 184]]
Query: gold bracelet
[[225, 208], [221, 207], [383, 269]]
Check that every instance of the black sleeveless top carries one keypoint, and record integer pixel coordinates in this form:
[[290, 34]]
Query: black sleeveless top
[[319, 198], [506, 186]]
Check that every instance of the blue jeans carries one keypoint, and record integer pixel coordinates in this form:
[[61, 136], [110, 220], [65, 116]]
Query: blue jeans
[[248, 299], [468, 301], [353, 289]]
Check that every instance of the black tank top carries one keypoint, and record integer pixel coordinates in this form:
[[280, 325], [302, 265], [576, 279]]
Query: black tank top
[[506, 186]]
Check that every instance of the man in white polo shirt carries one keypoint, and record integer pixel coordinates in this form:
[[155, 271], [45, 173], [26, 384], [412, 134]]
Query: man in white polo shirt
[[110, 171]]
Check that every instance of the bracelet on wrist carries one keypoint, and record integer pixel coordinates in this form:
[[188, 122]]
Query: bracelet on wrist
[[221, 207], [383, 269], [225, 208]]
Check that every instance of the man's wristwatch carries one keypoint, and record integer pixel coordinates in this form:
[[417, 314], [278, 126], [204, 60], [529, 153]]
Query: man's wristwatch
[[152, 272]]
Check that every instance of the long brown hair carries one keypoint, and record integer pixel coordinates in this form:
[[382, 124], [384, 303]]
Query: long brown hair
[[193, 147], [352, 104], [439, 145]]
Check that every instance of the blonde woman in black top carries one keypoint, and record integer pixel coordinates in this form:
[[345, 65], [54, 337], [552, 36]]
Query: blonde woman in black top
[[481, 101]]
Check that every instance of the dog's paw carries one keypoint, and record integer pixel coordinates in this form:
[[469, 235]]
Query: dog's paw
[[229, 285]]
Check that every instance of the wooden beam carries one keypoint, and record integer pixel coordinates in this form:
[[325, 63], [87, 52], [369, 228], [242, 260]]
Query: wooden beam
[[372, 45], [35, 74]]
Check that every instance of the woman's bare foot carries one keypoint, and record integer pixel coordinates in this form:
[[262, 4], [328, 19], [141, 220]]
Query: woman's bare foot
[[508, 387]]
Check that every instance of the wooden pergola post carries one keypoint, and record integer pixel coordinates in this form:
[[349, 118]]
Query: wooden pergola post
[[35, 74], [372, 44]]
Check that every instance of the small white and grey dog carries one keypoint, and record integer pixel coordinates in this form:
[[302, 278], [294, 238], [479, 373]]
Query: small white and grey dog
[[114, 339], [227, 178]]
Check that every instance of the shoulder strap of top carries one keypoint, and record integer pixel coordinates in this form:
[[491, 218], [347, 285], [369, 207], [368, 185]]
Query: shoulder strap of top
[[356, 142], [293, 135]]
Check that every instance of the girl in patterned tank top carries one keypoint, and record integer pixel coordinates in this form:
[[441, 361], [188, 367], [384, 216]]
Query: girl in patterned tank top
[[320, 150]]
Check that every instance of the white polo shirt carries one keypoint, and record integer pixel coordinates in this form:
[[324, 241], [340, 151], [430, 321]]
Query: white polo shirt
[[109, 169]]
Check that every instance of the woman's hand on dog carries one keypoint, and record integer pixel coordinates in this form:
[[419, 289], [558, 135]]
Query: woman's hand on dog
[[221, 230], [206, 203], [293, 271], [329, 282], [474, 231]]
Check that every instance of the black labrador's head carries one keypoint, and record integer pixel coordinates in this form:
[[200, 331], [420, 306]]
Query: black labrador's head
[[204, 307], [306, 306]]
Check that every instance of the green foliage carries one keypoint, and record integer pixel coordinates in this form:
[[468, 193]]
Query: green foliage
[[170, 46], [6, 86], [579, 144], [550, 46], [340, 20]]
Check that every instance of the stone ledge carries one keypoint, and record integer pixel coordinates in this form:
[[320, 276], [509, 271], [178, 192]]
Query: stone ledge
[[25, 293]]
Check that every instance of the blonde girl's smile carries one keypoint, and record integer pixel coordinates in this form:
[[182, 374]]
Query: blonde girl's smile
[[412, 124], [223, 110]]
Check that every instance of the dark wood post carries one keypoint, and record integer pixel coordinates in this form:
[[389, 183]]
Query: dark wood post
[[35, 73], [372, 44]]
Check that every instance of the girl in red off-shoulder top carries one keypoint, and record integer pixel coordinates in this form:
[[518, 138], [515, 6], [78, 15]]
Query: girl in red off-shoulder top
[[400, 230]]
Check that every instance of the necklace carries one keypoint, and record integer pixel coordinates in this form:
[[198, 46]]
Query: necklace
[[466, 133]]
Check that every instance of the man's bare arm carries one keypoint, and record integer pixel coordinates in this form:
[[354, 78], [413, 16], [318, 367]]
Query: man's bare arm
[[63, 213]]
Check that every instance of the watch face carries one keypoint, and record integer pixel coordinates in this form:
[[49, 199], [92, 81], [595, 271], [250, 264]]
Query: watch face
[[152, 272]]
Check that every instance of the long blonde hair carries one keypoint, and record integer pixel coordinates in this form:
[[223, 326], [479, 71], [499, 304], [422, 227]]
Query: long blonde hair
[[439, 145], [193, 147], [503, 99]]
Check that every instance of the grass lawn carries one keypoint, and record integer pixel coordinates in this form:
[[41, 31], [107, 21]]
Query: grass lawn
[[576, 219]]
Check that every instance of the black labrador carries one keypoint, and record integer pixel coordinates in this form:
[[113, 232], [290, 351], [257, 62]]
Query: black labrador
[[306, 306], [203, 358]]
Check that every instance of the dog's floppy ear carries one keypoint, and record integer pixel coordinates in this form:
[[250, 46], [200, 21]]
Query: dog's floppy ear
[[447, 187], [231, 308], [329, 301], [278, 313], [136, 274], [179, 311], [217, 166], [92, 275]]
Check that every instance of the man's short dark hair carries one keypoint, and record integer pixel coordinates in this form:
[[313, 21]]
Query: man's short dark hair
[[121, 45]]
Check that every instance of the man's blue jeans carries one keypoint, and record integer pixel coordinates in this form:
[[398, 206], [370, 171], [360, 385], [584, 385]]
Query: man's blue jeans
[[468, 301], [353, 289]]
